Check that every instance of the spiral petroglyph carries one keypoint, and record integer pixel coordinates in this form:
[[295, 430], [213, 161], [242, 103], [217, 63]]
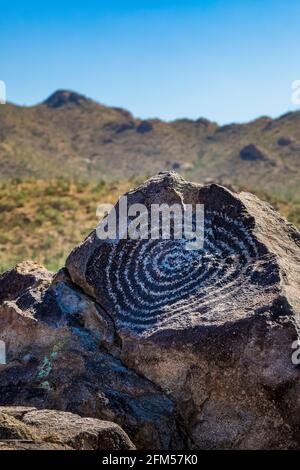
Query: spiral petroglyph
[[212, 327], [147, 285], [151, 283]]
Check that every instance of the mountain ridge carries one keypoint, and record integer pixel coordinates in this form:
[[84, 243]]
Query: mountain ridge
[[71, 135], [73, 95]]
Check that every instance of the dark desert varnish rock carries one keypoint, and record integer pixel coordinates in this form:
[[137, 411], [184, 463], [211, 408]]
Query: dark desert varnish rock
[[63, 353], [252, 153], [214, 327], [64, 98]]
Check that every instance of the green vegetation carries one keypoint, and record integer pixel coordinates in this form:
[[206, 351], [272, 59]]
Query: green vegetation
[[285, 202], [43, 220]]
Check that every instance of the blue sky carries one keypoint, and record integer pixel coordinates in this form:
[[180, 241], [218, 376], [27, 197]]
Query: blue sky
[[223, 60]]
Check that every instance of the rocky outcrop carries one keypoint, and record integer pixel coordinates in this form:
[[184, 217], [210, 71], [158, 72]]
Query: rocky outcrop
[[212, 327], [31, 429], [63, 353], [285, 141], [252, 153], [22, 278], [182, 348], [144, 126], [62, 98]]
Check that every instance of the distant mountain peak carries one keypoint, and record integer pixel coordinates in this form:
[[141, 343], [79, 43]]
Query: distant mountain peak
[[62, 98]]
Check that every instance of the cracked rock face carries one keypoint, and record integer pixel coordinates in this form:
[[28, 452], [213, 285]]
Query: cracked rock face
[[31, 429], [63, 354], [211, 327]]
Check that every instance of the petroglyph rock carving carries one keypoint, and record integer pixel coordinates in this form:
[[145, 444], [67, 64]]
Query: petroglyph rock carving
[[150, 285], [213, 327]]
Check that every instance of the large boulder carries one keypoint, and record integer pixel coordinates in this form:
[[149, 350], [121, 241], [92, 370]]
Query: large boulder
[[55, 430], [24, 276], [63, 353], [212, 327]]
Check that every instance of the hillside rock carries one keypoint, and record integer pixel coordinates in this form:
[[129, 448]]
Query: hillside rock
[[252, 153], [56, 430], [212, 327], [284, 141], [64, 98], [144, 126]]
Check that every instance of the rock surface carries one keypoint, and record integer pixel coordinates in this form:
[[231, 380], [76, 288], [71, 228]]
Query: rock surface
[[63, 353], [181, 348], [212, 327], [32, 429], [62, 98], [252, 153]]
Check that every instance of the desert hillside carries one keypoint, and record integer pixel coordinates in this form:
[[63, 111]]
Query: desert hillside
[[72, 136]]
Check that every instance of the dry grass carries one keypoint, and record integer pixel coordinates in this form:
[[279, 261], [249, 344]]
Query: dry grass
[[43, 221]]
